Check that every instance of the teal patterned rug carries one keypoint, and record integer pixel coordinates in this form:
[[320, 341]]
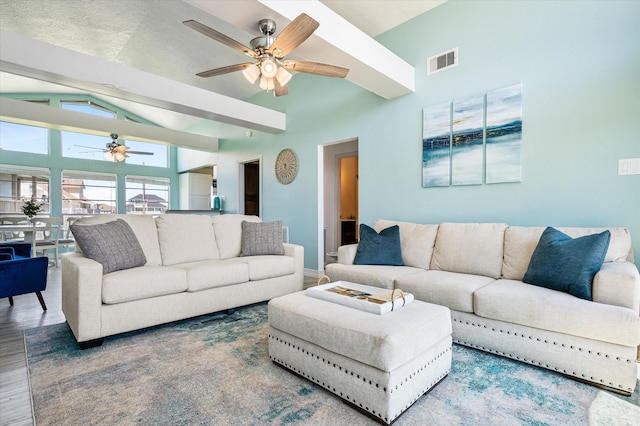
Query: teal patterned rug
[[215, 370]]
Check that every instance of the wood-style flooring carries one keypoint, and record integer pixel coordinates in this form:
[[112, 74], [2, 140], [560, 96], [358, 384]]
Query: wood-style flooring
[[26, 312]]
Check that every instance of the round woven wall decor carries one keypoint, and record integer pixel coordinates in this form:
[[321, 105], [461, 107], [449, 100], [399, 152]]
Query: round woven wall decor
[[286, 166]]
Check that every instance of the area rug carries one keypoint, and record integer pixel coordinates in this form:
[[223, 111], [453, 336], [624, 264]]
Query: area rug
[[215, 370]]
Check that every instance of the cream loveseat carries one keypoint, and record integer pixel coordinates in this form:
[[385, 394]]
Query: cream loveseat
[[476, 270], [192, 266]]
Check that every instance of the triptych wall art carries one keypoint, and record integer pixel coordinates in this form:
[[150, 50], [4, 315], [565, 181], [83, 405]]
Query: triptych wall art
[[474, 140]]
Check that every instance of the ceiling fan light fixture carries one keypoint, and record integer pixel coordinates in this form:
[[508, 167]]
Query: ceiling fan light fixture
[[251, 73], [283, 76], [108, 155], [119, 156], [269, 68], [266, 83]]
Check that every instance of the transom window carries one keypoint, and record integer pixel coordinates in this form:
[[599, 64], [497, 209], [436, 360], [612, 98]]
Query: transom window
[[23, 138]]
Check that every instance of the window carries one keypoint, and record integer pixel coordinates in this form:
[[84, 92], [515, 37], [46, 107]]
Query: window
[[18, 184], [85, 146], [88, 193], [147, 195], [88, 107], [159, 154], [22, 138]]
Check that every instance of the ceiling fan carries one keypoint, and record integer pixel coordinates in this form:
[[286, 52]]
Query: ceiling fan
[[115, 151], [269, 53]]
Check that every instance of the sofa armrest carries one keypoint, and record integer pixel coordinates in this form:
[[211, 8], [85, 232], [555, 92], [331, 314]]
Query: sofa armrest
[[82, 295], [618, 283], [347, 253]]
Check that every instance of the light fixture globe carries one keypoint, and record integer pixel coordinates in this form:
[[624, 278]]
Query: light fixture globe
[[269, 68], [251, 73], [283, 76], [266, 83]]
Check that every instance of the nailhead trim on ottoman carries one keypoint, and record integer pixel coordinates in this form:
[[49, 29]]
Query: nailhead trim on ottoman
[[383, 395]]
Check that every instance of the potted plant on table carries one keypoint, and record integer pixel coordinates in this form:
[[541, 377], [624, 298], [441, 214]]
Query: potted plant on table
[[31, 208]]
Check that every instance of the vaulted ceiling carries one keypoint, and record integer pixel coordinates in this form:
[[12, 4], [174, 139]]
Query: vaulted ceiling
[[139, 56]]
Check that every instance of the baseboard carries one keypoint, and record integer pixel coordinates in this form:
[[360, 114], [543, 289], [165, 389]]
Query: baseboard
[[313, 273]]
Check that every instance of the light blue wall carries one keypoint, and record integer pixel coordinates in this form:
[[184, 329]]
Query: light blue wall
[[579, 63]]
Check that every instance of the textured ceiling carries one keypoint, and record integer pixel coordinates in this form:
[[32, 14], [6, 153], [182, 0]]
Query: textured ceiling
[[148, 35]]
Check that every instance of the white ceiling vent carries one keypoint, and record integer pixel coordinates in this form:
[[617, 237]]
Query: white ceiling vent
[[442, 61]]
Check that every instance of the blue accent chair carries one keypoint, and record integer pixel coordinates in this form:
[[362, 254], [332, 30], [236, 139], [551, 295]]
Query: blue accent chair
[[20, 273]]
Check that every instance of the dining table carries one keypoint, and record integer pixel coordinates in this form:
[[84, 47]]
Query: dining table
[[28, 230]]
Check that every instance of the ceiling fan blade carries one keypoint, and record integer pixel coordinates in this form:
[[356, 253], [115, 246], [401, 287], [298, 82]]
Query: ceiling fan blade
[[316, 68], [219, 37], [293, 35], [223, 70], [90, 147], [279, 89], [140, 152]]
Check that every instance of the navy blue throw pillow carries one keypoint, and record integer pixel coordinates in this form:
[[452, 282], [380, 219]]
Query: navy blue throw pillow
[[567, 264], [379, 249]]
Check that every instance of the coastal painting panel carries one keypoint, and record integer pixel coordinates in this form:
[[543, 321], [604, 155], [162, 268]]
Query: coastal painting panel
[[436, 145], [504, 135], [467, 150]]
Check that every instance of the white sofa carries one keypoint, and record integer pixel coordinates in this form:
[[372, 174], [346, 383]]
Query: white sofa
[[193, 267], [476, 270]]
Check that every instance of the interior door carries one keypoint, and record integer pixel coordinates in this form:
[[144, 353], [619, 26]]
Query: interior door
[[251, 188]]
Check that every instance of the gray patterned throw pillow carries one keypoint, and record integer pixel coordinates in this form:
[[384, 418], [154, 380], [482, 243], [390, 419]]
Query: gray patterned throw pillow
[[262, 238], [113, 244]]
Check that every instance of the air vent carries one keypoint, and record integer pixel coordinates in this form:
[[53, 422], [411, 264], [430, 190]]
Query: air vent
[[442, 61]]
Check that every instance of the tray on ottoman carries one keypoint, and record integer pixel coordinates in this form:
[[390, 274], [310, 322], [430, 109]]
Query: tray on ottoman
[[380, 364]]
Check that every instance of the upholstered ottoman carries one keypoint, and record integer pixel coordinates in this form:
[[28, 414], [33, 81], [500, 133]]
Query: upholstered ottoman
[[380, 364]]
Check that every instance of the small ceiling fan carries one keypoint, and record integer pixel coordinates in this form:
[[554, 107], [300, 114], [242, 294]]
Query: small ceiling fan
[[115, 151], [269, 53]]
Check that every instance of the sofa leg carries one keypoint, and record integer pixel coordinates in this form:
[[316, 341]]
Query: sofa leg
[[91, 343], [10, 301], [230, 311], [41, 300]]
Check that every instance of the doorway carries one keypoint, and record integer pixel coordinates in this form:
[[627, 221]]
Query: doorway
[[250, 186], [338, 195]]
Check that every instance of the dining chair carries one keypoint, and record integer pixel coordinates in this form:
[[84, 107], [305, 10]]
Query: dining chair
[[66, 239], [50, 237], [12, 235]]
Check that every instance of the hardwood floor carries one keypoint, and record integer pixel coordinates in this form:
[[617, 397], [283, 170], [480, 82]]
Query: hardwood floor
[[26, 312]]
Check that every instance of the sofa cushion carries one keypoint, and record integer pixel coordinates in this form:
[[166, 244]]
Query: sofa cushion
[[382, 276], [144, 226], [260, 238], [521, 241], [379, 248], [263, 267], [450, 289], [228, 230], [142, 283], [562, 263], [416, 241], [214, 273], [532, 306], [186, 238], [112, 244], [469, 248]]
